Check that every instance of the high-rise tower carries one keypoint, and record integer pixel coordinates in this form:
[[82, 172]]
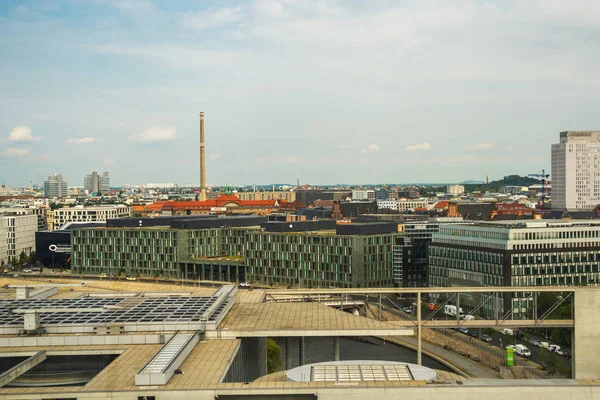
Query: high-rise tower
[[576, 171], [202, 160]]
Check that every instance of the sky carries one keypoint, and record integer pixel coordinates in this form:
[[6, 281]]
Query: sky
[[324, 91]]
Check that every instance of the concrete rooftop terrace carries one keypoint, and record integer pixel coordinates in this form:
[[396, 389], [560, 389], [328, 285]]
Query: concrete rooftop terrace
[[209, 360]]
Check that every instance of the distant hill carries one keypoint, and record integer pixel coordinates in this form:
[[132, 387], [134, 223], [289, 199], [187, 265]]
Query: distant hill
[[494, 186], [471, 183]]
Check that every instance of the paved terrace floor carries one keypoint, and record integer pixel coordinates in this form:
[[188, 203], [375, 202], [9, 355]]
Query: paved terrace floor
[[300, 319]]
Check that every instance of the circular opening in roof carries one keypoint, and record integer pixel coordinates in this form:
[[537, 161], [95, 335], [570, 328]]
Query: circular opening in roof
[[360, 371]]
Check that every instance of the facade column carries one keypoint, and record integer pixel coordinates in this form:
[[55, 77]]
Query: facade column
[[379, 301], [419, 347], [336, 348], [288, 353], [301, 350]]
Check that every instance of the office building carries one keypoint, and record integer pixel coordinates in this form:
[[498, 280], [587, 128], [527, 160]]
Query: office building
[[455, 190], [308, 196], [3, 241], [55, 187], [363, 195], [411, 204], [94, 183], [310, 256], [60, 216], [387, 204], [306, 253], [576, 171], [410, 251], [279, 195], [18, 232], [516, 253]]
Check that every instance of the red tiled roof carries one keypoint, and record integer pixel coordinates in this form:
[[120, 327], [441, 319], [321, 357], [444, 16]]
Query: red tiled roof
[[442, 204]]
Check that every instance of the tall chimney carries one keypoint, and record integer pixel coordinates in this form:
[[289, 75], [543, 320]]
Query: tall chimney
[[202, 160]]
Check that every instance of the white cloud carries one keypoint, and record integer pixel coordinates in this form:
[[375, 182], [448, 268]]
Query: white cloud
[[212, 19], [373, 147], [84, 140], [133, 7], [418, 147], [22, 134], [155, 134], [293, 159], [16, 152], [479, 146]]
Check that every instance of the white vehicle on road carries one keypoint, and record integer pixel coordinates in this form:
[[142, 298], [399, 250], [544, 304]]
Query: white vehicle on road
[[507, 331], [450, 310], [522, 350]]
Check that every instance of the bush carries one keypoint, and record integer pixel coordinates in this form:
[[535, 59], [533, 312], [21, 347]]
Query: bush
[[274, 361]]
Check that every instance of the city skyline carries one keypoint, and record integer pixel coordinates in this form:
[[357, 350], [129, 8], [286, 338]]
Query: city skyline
[[326, 91]]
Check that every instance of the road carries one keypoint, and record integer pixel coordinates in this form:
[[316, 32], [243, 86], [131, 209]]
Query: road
[[538, 355]]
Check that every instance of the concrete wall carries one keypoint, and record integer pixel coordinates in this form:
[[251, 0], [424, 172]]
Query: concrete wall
[[586, 335], [250, 361], [568, 390]]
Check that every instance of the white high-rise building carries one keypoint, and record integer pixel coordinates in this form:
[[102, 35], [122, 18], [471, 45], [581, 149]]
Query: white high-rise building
[[576, 171]]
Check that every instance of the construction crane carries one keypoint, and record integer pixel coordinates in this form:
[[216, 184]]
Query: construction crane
[[542, 176]]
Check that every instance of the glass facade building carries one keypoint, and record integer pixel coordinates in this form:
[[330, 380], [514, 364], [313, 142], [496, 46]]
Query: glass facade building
[[511, 253], [308, 259]]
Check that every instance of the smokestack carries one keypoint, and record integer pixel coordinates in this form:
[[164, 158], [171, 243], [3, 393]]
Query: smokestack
[[202, 160]]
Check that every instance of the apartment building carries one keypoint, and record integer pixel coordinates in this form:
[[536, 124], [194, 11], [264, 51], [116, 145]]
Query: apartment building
[[60, 216]]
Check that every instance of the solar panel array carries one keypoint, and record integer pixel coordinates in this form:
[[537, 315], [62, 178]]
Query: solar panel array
[[158, 310]]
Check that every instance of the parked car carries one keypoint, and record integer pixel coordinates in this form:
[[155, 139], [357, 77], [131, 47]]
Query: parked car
[[463, 330], [507, 331], [543, 345], [534, 342], [244, 284], [27, 270], [486, 338], [407, 310], [102, 275], [473, 332], [431, 307], [36, 269]]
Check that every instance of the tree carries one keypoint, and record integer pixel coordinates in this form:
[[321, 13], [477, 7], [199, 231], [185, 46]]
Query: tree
[[33, 257], [442, 299], [22, 258], [274, 361]]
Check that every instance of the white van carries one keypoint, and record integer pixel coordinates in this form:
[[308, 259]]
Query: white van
[[522, 350], [507, 331]]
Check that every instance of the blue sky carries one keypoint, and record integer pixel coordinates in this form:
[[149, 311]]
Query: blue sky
[[328, 91]]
